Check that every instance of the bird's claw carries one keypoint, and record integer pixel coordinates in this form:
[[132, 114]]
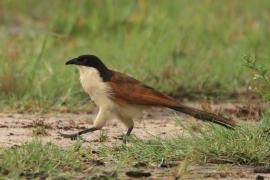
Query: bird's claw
[[123, 137], [74, 136]]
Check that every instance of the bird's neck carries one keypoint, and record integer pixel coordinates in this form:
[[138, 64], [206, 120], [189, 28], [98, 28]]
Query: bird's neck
[[94, 85], [89, 74], [103, 71]]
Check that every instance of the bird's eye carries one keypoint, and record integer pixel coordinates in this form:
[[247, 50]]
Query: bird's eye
[[81, 60]]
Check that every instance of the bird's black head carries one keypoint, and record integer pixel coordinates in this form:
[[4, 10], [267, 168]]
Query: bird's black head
[[94, 62], [86, 60]]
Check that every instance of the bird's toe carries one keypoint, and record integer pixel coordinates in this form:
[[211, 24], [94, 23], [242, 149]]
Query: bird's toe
[[70, 136]]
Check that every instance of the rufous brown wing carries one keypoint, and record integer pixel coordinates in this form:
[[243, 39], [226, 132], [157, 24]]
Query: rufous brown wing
[[127, 90]]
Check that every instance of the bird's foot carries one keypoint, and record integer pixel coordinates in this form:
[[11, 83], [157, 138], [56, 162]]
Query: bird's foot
[[74, 136], [122, 137], [125, 139]]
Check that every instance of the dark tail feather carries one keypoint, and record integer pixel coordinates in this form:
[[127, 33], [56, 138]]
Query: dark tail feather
[[205, 116]]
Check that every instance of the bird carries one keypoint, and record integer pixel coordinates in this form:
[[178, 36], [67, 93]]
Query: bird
[[120, 96]]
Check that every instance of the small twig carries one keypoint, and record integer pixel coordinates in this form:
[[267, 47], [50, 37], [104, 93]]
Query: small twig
[[262, 169]]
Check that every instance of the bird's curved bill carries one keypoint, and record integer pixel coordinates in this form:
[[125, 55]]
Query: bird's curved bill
[[72, 61]]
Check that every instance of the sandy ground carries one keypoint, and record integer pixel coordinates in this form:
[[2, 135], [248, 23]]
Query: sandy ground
[[18, 128]]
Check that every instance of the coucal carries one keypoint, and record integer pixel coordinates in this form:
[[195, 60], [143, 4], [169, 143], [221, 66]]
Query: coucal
[[120, 96]]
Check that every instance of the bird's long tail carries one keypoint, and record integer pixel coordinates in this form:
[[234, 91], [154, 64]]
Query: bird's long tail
[[205, 116]]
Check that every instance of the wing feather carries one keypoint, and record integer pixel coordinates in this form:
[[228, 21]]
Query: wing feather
[[127, 90]]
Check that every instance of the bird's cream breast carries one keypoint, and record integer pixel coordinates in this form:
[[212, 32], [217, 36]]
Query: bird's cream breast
[[93, 85], [100, 92]]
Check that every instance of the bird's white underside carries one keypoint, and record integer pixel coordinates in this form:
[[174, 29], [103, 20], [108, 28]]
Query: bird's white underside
[[100, 93]]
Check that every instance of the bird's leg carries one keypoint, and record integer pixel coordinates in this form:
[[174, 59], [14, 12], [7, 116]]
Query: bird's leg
[[77, 135], [99, 122], [127, 134], [129, 131]]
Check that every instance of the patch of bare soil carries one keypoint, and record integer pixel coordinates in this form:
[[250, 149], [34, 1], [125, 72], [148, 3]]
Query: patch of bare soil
[[18, 128]]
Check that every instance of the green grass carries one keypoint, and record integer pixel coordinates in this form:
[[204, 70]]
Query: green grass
[[247, 145], [181, 47], [34, 160], [39, 131], [33, 157], [261, 77]]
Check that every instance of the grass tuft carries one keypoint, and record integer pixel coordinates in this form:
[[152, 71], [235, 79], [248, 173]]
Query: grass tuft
[[40, 131], [247, 144], [34, 157]]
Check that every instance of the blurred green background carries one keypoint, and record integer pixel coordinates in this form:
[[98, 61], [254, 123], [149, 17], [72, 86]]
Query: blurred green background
[[181, 47]]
